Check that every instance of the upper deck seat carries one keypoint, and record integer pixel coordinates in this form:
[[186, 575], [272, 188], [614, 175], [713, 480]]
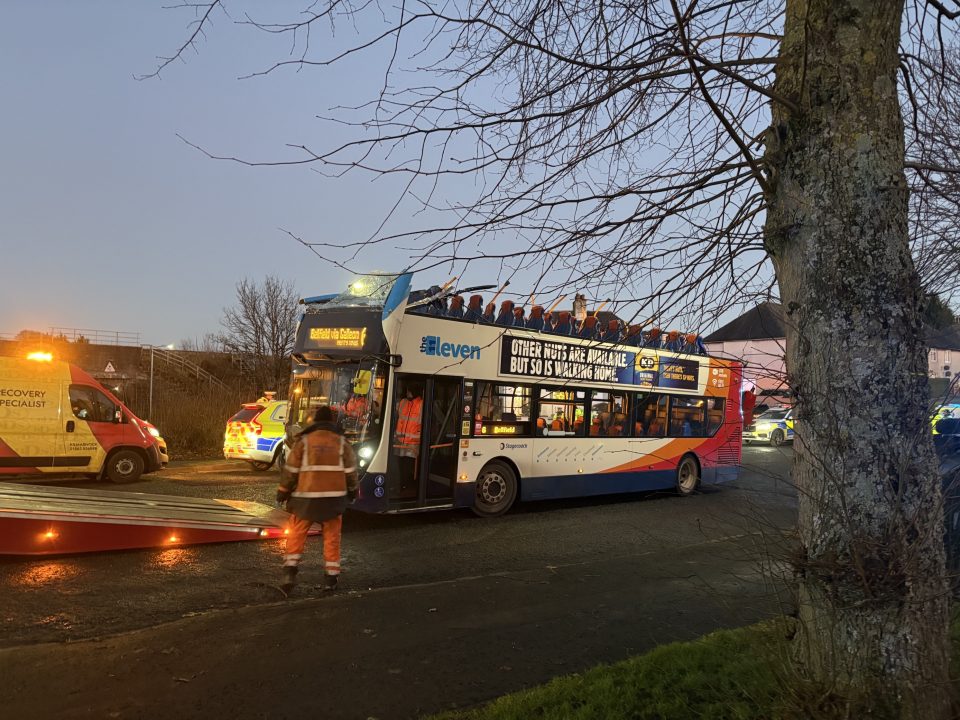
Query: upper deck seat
[[456, 307], [634, 336], [612, 332], [549, 322], [588, 328], [673, 342], [474, 312], [535, 321], [652, 339], [505, 317], [489, 313], [563, 326], [689, 344]]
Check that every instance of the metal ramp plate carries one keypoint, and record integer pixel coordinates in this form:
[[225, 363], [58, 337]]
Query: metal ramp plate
[[41, 520]]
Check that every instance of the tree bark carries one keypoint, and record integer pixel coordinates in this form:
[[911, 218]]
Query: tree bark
[[872, 591]]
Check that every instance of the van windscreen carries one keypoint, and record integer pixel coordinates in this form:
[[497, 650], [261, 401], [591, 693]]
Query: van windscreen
[[246, 414]]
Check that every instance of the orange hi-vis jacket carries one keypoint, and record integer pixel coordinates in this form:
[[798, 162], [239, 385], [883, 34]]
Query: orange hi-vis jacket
[[321, 469], [408, 426], [356, 406]]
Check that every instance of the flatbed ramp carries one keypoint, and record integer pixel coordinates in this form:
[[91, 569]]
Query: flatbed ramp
[[40, 520]]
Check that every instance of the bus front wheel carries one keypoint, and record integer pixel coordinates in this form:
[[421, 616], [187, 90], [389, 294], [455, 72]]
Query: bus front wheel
[[496, 489], [688, 475]]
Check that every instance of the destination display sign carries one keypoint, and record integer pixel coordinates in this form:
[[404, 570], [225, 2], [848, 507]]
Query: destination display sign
[[340, 332], [338, 337], [549, 360]]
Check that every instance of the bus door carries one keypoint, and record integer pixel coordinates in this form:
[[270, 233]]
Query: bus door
[[424, 439], [440, 472]]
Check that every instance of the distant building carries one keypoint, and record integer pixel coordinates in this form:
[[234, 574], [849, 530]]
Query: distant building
[[758, 338], [944, 358]]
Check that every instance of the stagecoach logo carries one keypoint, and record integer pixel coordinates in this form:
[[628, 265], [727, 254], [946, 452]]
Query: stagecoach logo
[[432, 345], [513, 446]]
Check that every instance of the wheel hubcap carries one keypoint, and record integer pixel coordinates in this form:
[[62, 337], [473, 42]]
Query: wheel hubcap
[[688, 478], [125, 466], [492, 488]]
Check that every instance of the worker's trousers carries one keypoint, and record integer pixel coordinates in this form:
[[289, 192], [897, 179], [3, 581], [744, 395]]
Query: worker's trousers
[[297, 540]]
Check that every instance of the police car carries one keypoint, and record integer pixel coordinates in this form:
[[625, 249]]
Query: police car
[[775, 426], [255, 433]]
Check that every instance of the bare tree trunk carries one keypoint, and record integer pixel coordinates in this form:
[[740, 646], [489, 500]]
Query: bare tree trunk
[[873, 603]]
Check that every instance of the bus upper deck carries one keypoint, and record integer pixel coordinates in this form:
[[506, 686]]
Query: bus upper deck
[[453, 411]]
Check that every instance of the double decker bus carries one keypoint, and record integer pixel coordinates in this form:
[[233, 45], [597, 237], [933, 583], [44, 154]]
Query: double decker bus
[[505, 413]]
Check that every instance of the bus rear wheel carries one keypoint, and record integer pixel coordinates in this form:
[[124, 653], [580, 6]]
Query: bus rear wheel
[[688, 475], [496, 489]]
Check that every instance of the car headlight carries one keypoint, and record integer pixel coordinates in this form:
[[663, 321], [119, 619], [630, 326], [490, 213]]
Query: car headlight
[[153, 431], [366, 452]]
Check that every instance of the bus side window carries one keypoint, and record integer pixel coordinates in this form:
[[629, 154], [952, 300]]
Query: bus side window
[[649, 414], [686, 417], [714, 415]]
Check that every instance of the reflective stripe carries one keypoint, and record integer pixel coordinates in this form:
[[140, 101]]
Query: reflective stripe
[[322, 468], [291, 468], [293, 556], [326, 493], [293, 562], [332, 564], [349, 469]]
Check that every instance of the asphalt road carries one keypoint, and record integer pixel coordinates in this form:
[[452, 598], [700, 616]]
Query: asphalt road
[[436, 610]]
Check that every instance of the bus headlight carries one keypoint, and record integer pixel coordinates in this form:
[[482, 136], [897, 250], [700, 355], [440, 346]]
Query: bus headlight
[[366, 452]]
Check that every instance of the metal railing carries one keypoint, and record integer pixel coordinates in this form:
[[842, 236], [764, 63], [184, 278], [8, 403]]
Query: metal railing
[[183, 367], [96, 337]]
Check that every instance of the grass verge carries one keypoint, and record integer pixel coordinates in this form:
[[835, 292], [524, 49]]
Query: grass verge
[[726, 675]]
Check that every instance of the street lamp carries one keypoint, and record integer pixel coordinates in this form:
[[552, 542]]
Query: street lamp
[[152, 348]]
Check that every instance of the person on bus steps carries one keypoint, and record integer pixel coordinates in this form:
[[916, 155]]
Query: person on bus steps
[[356, 406], [407, 438], [320, 479]]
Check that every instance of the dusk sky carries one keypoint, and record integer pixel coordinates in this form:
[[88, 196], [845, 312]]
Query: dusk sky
[[109, 221]]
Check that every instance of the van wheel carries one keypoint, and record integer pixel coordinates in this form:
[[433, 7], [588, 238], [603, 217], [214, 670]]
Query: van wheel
[[496, 489], [688, 475], [125, 466]]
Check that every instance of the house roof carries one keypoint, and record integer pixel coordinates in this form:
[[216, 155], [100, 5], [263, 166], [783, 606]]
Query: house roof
[[946, 339], [765, 321], [759, 323]]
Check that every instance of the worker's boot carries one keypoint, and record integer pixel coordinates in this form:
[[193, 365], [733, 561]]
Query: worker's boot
[[330, 582], [289, 579]]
